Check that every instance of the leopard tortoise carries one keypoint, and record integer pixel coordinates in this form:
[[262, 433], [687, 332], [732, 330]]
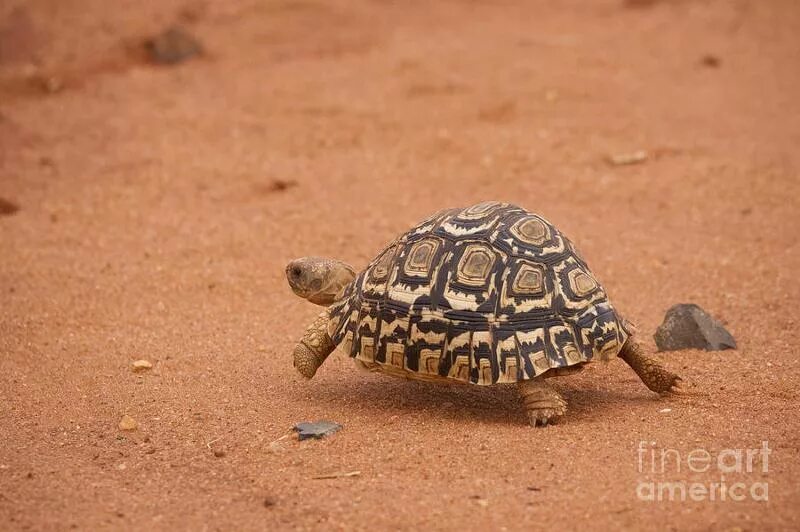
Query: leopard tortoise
[[489, 294]]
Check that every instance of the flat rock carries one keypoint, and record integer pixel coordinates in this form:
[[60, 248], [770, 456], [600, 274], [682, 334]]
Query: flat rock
[[317, 429], [173, 46], [687, 326]]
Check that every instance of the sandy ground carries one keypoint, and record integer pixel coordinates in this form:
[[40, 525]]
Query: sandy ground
[[158, 206]]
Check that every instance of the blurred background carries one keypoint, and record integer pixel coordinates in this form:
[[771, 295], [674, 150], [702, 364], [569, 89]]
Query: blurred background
[[161, 161]]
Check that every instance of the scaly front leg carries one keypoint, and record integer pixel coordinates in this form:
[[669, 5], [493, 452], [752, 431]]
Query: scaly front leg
[[314, 347]]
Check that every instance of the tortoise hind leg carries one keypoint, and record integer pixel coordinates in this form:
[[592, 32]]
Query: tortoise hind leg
[[314, 347], [543, 403], [653, 374]]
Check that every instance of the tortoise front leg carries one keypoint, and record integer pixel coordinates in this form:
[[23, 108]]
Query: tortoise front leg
[[543, 403], [653, 374], [314, 347]]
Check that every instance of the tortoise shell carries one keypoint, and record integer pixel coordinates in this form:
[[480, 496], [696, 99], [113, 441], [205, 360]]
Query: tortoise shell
[[487, 294]]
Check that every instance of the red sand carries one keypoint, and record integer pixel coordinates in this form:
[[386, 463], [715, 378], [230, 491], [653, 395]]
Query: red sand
[[151, 227]]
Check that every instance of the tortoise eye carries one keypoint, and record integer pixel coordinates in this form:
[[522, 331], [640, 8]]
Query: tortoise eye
[[296, 272]]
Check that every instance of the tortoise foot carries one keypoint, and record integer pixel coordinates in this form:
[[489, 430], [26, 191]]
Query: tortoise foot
[[543, 404], [659, 379], [665, 382]]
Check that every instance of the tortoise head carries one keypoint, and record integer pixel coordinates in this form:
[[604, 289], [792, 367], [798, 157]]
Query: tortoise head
[[321, 281]]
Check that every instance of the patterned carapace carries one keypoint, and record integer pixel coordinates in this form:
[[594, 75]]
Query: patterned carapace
[[487, 294]]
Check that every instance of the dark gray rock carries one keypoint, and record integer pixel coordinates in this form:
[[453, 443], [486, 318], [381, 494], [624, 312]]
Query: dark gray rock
[[687, 326], [173, 46], [318, 429]]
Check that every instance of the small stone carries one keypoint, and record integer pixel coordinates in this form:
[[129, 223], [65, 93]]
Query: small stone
[[142, 365], [687, 326], [625, 159], [219, 453], [318, 429], [279, 185], [128, 423], [7, 208], [665, 410], [269, 502], [173, 46]]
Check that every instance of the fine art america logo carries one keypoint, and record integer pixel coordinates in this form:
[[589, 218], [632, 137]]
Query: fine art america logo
[[702, 475]]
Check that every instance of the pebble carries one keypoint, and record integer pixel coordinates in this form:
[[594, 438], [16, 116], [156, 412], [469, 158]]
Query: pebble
[[173, 46], [128, 423], [625, 159], [8, 207], [317, 429], [142, 365]]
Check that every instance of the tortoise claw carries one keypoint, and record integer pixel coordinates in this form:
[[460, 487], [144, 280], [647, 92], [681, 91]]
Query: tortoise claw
[[676, 387], [543, 417], [543, 404]]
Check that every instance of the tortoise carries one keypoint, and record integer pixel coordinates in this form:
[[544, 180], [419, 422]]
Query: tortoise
[[484, 295]]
